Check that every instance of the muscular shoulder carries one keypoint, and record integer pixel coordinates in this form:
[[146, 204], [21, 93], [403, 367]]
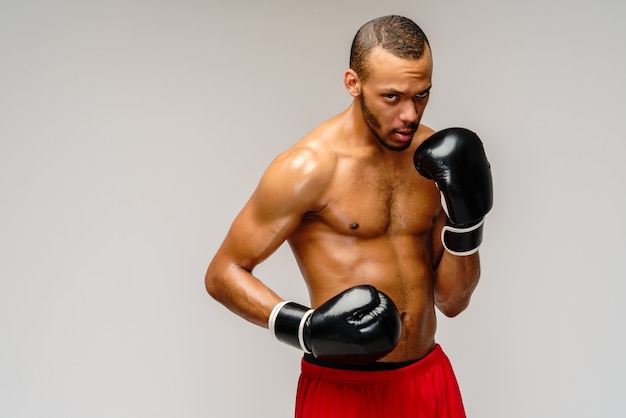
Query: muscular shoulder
[[300, 175], [422, 134]]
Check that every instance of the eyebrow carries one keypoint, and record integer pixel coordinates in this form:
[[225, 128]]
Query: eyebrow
[[394, 91], [425, 91]]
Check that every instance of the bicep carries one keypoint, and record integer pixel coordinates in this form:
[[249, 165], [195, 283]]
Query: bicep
[[284, 194], [254, 235]]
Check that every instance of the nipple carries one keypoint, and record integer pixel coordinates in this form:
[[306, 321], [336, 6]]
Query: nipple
[[354, 226]]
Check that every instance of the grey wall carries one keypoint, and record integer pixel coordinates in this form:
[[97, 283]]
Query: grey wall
[[132, 132]]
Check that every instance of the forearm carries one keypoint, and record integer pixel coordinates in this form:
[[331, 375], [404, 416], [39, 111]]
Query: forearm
[[240, 291], [455, 280]]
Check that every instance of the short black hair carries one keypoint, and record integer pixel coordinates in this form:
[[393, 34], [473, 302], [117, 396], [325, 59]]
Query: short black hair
[[396, 34]]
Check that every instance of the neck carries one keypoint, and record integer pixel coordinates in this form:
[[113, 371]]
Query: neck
[[356, 134], [357, 129]]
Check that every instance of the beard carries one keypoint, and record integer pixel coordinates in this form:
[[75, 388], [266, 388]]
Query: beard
[[375, 128]]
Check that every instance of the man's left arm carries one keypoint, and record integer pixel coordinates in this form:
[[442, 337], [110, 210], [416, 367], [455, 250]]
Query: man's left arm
[[456, 277], [455, 160]]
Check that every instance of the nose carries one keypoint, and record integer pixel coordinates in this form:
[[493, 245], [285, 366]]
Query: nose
[[410, 113]]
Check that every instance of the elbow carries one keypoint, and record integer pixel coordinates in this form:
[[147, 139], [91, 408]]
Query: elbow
[[452, 308], [211, 284], [450, 312]]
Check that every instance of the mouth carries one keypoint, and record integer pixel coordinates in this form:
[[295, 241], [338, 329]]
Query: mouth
[[404, 135]]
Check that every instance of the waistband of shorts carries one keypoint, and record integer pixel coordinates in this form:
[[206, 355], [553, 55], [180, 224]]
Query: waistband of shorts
[[342, 375]]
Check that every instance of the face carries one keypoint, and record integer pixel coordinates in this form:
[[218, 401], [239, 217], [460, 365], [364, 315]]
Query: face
[[393, 98]]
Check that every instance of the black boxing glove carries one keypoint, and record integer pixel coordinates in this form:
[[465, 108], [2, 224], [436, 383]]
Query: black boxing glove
[[455, 159], [358, 326]]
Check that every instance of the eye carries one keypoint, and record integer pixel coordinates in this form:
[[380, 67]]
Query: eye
[[423, 94], [390, 97]]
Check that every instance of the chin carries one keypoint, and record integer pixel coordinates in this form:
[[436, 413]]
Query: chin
[[398, 147]]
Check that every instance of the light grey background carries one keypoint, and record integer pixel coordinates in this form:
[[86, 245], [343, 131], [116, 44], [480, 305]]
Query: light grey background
[[132, 132]]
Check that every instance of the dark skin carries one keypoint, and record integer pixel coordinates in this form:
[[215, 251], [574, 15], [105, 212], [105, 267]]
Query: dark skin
[[354, 210]]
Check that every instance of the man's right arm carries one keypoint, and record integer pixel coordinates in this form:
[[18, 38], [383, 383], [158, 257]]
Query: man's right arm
[[359, 325], [291, 186]]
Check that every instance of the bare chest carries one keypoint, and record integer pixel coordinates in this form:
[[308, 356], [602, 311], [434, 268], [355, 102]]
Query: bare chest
[[370, 203]]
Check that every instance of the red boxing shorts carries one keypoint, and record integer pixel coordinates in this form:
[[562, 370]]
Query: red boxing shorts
[[426, 389]]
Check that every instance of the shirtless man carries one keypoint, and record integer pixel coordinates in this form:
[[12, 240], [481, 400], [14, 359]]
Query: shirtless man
[[355, 211]]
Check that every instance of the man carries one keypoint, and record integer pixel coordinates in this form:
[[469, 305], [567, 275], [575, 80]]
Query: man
[[376, 247]]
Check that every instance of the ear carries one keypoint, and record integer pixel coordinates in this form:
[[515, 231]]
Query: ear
[[352, 82]]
